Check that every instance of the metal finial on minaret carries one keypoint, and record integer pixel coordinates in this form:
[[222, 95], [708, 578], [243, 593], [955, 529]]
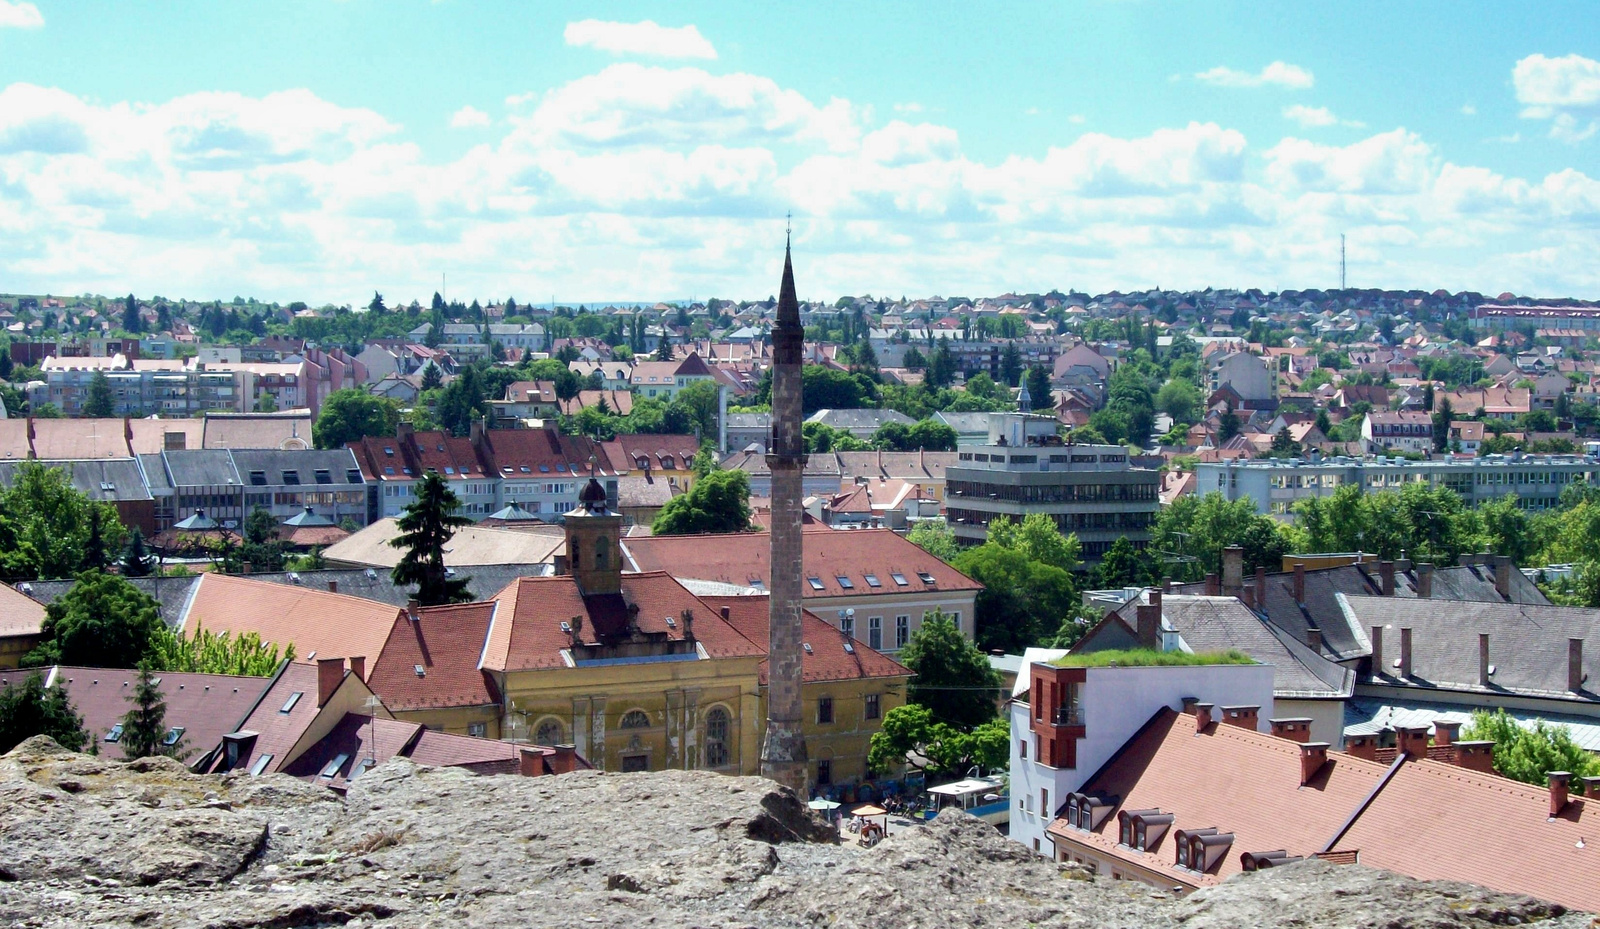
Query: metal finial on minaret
[[783, 750]]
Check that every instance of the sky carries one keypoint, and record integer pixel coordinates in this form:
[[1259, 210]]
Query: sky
[[320, 150]]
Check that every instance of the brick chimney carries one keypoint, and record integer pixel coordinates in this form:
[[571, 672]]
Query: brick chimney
[[530, 761], [1446, 732], [1362, 746], [1424, 580], [1261, 586], [1299, 582], [1247, 596], [330, 672], [1559, 781], [1313, 756], [1166, 583], [1377, 651], [413, 609], [565, 760], [1483, 659], [1591, 786], [1476, 756], [1212, 587], [1203, 715], [1575, 665], [1293, 728], [1245, 717], [1314, 639], [1405, 652], [1413, 741], [1502, 576], [1232, 570], [1386, 577], [1147, 621], [358, 667]]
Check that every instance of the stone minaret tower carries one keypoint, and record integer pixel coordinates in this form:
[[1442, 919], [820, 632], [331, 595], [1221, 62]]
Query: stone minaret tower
[[783, 754]]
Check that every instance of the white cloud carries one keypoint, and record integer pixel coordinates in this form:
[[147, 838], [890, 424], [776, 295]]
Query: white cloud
[[645, 38], [469, 117], [642, 182], [18, 15], [1564, 90], [1277, 74], [1468, 109], [1310, 117]]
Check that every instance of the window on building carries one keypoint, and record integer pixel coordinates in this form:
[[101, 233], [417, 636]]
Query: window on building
[[847, 625], [872, 580], [258, 478], [815, 582], [260, 765], [874, 707], [898, 578], [324, 476], [478, 730], [289, 703], [632, 763], [291, 477], [875, 631], [635, 719], [549, 732], [1022, 748], [824, 773], [902, 631], [844, 582], [825, 709], [717, 726]]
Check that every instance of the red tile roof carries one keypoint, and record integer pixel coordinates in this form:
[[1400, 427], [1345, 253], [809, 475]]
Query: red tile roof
[[277, 731], [742, 559], [663, 452], [446, 642], [20, 614], [319, 624], [526, 632], [538, 450], [827, 660]]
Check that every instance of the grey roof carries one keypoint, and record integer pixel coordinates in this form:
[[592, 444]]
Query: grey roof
[[860, 419], [155, 475], [172, 593], [1212, 624], [309, 518], [908, 466], [1321, 610], [755, 463], [201, 467], [749, 420], [339, 462], [108, 479], [1366, 716], [1527, 644], [513, 513], [965, 423], [641, 491]]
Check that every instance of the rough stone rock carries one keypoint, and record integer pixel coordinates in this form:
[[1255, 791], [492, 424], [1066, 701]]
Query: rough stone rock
[[87, 842]]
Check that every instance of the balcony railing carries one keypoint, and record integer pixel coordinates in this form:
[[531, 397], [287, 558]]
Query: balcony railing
[[1067, 716]]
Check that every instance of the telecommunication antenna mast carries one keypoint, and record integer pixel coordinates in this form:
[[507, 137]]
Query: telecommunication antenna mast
[[1341, 261]]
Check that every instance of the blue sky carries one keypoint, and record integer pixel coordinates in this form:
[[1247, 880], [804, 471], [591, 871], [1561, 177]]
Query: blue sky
[[323, 148]]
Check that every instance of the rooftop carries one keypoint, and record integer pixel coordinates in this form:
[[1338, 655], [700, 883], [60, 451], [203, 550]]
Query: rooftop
[[1148, 658]]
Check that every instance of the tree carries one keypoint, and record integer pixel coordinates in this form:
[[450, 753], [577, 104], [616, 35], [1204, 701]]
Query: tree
[[425, 527], [911, 732], [144, 727], [132, 322], [29, 708], [935, 538], [953, 679], [376, 306], [1227, 424], [718, 502], [941, 366], [94, 550], [1022, 600], [698, 403], [100, 404], [137, 559], [1038, 539], [350, 414], [1010, 365], [266, 403], [102, 622], [1529, 753], [45, 524], [1121, 565], [1039, 393], [462, 402], [432, 376], [207, 652], [1179, 399]]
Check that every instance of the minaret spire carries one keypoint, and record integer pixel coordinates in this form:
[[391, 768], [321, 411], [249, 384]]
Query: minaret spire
[[783, 750]]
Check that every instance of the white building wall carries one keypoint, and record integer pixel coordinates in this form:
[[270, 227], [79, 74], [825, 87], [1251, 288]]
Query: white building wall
[[1116, 703]]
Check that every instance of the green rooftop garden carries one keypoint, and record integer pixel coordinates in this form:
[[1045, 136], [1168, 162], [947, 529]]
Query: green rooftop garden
[[1148, 658]]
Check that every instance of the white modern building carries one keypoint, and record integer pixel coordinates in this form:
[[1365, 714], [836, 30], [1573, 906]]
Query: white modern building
[[1067, 721]]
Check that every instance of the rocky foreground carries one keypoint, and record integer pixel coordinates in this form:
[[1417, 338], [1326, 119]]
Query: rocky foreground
[[88, 842]]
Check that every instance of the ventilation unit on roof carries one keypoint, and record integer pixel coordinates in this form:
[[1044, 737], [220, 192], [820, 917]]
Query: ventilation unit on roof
[[421, 671], [294, 577], [849, 648], [567, 628], [672, 623], [808, 649], [372, 574]]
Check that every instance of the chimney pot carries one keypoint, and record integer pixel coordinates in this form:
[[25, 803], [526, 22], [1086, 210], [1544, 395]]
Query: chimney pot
[[358, 667], [1232, 570], [1386, 577], [1166, 583], [1405, 652], [1502, 576], [1559, 781], [1483, 659], [330, 673], [1362, 746], [1212, 587], [1425, 580], [1446, 732], [1147, 625], [1413, 741], [1203, 715], [1377, 651], [1293, 728], [1247, 596], [1313, 755], [1261, 586], [413, 608], [1575, 665], [1245, 717], [1314, 639], [1476, 756], [1299, 582], [1591, 786]]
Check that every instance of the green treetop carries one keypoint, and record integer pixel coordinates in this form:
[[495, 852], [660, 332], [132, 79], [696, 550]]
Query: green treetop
[[425, 527]]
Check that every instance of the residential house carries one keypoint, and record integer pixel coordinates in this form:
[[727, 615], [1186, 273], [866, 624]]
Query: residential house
[[662, 380], [1403, 431]]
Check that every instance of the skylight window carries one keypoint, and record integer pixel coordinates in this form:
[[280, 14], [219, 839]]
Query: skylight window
[[172, 736], [260, 765], [898, 578], [872, 580], [291, 477], [324, 476], [449, 470], [388, 450], [844, 582], [815, 582], [925, 576], [331, 769], [115, 735], [293, 699]]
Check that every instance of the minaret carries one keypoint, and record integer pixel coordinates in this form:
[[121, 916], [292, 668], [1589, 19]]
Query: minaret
[[783, 753]]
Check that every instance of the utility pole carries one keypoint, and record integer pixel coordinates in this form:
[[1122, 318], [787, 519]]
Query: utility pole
[[1341, 261]]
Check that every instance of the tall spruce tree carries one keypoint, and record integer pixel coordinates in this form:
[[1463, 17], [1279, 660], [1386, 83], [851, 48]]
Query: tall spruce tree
[[28, 708], [99, 404], [144, 727], [425, 528], [137, 559]]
